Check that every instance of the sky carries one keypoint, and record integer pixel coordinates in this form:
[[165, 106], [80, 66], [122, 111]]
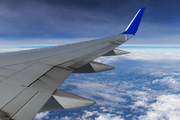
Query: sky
[[53, 22]]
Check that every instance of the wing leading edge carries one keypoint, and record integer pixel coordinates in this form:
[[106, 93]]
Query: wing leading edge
[[29, 79]]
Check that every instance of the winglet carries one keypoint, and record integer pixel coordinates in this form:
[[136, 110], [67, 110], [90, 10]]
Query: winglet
[[133, 26]]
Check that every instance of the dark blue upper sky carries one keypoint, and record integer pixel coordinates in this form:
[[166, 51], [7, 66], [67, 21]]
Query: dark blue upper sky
[[56, 19]]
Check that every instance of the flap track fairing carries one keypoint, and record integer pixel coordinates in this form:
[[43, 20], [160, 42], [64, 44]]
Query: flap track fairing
[[61, 100], [116, 52], [93, 67]]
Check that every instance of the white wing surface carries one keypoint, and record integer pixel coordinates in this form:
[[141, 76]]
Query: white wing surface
[[29, 79]]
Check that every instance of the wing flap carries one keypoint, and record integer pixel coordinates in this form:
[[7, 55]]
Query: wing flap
[[49, 82], [19, 101], [28, 111], [8, 91], [36, 95]]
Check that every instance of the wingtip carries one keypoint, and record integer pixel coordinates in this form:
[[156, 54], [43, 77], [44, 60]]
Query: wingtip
[[133, 26], [143, 8]]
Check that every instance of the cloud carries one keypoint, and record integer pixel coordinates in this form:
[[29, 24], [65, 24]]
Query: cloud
[[139, 95], [108, 117], [141, 98], [166, 107], [42, 115], [140, 104], [157, 55], [112, 98], [106, 60], [93, 90], [89, 114], [64, 118], [104, 109], [144, 55], [170, 81], [100, 116]]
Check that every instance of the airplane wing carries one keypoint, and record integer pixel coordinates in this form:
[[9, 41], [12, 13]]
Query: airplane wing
[[29, 79]]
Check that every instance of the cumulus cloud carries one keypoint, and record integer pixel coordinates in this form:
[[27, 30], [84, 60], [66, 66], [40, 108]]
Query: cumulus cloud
[[170, 81], [106, 109], [106, 60], [89, 114], [100, 116], [141, 98], [140, 104], [167, 107], [108, 117], [140, 95], [65, 118], [41, 115]]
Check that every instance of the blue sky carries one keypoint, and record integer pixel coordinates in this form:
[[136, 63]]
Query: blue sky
[[52, 22]]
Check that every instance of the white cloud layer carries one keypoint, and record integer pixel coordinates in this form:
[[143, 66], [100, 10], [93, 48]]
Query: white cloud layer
[[153, 54], [144, 55], [167, 107]]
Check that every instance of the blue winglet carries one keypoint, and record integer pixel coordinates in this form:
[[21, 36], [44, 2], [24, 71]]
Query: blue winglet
[[133, 26]]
